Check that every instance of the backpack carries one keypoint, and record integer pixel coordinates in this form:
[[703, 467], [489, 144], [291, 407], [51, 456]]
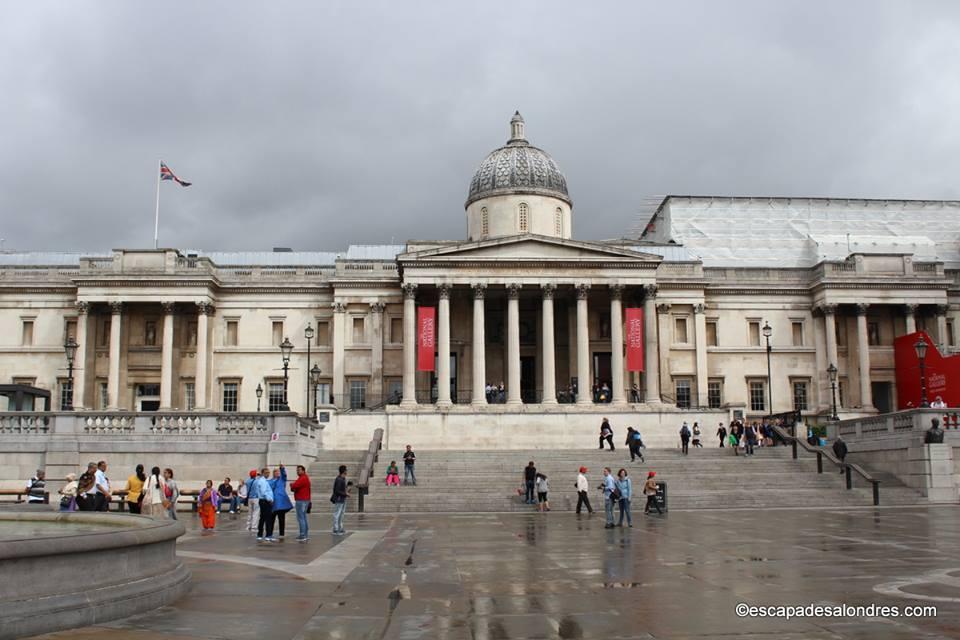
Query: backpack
[[684, 432]]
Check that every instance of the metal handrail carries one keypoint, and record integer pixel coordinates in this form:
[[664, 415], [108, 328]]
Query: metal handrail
[[848, 467], [366, 469]]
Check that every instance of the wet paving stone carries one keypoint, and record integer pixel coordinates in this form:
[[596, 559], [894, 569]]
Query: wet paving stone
[[561, 576]]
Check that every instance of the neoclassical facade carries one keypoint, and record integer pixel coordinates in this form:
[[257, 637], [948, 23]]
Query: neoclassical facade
[[519, 302]]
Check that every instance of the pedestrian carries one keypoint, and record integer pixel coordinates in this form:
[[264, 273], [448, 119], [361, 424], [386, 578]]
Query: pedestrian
[[722, 434], [86, 492], [625, 487], [302, 501], [208, 503], [634, 393], [172, 493], [228, 495], [733, 443], [265, 498], [583, 488], [102, 488], [650, 490], [606, 434], [609, 488], [69, 492], [543, 488], [253, 501], [685, 438], [281, 499], [135, 490], [840, 450], [529, 480], [750, 437], [696, 435], [409, 459], [36, 492], [242, 494], [393, 474], [341, 491], [630, 444], [155, 502]]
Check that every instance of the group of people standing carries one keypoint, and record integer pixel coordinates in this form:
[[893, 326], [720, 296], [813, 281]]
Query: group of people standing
[[617, 492], [269, 503], [154, 495], [746, 437]]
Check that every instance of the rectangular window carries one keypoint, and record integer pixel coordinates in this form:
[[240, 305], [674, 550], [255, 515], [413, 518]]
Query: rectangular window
[[797, 327], [230, 339], [873, 333], [103, 395], [683, 394], [277, 333], [69, 330], [26, 334], [323, 394], [65, 388], [712, 333], [799, 395], [323, 334], [104, 340], [275, 396], [714, 394], [189, 396], [396, 330], [524, 218], [359, 330], [358, 394], [190, 339], [230, 396], [680, 331], [150, 333], [754, 333], [758, 396]]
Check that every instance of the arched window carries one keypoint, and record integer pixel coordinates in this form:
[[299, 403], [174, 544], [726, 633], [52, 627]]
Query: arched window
[[524, 218], [484, 222], [558, 222]]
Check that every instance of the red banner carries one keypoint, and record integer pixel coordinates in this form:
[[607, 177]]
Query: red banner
[[942, 373], [634, 336], [426, 338]]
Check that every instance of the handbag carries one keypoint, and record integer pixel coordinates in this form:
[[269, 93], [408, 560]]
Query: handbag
[[65, 502], [309, 506]]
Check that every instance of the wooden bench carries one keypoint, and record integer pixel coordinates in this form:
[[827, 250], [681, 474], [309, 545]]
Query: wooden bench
[[20, 495]]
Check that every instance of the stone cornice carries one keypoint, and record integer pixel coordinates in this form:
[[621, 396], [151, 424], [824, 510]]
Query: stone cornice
[[499, 264]]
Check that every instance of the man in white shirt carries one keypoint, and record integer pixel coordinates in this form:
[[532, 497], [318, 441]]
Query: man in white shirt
[[101, 488], [582, 488], [938, 403]]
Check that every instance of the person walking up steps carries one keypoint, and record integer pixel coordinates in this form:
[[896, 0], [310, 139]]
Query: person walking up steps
[[529, 480], [606, 434], [583, 488], [696, 435], [543, 489], [722, 434], [685, 438], [650, 490]]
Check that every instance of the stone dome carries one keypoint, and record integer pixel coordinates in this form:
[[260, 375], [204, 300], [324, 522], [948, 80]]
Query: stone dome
[[518, 168]]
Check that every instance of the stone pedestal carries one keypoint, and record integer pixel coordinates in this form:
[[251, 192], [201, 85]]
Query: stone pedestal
[[932, 472]]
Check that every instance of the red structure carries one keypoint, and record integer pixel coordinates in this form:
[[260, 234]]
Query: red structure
[[942, 373]]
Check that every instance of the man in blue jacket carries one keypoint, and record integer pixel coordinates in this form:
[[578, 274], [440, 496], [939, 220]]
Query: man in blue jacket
[[265, 498]]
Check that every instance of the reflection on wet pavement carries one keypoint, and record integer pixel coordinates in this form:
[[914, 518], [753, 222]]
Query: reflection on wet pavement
[[562, 576]]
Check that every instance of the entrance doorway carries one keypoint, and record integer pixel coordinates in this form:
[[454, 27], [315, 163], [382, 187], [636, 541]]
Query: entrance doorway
[[528, 379], [882, 396], [148, 397], [602, 374]]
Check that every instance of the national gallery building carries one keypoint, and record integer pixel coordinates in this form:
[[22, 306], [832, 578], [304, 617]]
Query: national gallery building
[[708, 281]]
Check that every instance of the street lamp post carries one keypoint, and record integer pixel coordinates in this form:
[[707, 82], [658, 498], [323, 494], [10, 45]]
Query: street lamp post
[[832, 372], [259, 395], [70, 348], [767, 332], [308, 334], [921, 348], [286, 349], [315, 374]]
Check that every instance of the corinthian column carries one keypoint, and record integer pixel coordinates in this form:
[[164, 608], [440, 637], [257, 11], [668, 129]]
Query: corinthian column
[[513, 344], [479, 350], [700, 339], [863, 355], [409, 346], [549, 366], [166, 357], [204, 310], [910, 315], [443, 347], [651, 352], [616, 345], [113, 373], [79, 373], [584, 384]]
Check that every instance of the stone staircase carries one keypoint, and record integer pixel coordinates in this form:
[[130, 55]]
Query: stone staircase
[[324, 470], [709, 478]]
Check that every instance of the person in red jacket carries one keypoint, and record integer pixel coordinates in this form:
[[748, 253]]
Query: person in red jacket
[[301, 499]]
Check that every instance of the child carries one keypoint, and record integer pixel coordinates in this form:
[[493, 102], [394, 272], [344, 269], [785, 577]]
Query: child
[[543, 487], [393, 474]]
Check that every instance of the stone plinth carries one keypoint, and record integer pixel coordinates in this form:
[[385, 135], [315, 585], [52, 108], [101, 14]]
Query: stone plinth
[[932, 472]]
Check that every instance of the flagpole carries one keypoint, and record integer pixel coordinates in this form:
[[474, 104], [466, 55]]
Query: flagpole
[[156, 219]]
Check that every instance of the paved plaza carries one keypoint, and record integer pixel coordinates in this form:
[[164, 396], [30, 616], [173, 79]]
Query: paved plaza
[[558, 575]]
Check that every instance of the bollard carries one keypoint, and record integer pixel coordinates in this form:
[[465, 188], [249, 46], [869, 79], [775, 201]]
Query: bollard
[[819, 462], [846, 468]]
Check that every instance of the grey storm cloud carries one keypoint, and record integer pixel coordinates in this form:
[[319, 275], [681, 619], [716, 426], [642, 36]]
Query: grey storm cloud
[[316, 125]]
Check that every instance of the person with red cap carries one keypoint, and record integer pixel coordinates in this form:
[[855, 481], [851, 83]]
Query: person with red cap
[[253, 500], [650, 490], [582, 488]]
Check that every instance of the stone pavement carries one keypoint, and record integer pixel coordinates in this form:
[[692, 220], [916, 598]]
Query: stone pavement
[[557, 575]]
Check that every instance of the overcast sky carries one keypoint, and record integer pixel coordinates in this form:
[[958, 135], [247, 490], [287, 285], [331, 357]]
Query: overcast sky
[[317, 125]]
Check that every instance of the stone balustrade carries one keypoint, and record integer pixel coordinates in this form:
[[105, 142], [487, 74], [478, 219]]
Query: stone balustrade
[[910, 423]]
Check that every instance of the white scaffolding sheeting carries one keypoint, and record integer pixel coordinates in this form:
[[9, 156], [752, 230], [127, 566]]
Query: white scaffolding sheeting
[[800, 232]]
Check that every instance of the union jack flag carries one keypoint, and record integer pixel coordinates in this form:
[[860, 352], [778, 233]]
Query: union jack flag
[[166, 174]]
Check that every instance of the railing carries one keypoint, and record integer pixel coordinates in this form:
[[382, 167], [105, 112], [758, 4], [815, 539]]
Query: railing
[[24, 424], [366, 470], [847, 467], [307, 428]]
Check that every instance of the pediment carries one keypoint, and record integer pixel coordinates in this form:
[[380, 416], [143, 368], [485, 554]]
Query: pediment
[[530, 247]]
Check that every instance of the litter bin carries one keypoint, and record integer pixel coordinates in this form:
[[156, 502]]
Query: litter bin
[[661, 496]]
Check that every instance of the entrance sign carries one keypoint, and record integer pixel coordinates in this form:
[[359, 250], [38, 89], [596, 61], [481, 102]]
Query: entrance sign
[[426, 338], [634, 335], [942, 373]]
